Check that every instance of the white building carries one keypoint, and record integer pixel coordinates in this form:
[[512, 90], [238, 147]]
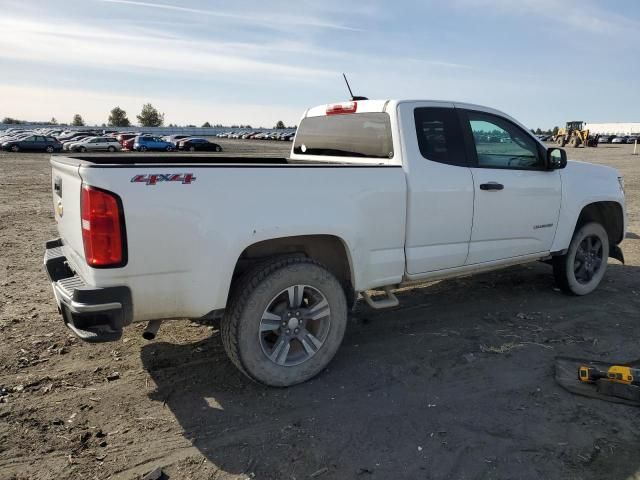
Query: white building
[[613, 128]]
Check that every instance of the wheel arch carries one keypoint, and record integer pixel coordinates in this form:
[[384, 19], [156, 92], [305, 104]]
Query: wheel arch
[[609, 214], [329, 250]]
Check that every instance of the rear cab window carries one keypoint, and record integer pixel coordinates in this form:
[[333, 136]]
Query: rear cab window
[[366, 135], [440, 136]]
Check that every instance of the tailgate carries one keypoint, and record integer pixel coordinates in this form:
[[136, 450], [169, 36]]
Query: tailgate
[[66, 185]]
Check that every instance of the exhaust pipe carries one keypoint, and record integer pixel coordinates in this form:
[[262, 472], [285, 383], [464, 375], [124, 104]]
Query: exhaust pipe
[[152, 329]]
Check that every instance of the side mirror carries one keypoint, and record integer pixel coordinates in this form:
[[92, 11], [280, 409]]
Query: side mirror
[[556, 158]]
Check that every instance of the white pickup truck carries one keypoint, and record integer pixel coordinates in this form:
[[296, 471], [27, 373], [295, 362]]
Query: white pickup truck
[[373, 195]]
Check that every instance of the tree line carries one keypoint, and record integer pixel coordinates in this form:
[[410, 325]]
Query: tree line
[[552, 131], [149, 117]]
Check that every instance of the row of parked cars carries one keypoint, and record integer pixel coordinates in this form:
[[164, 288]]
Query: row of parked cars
[[618, 138], [285, 136], [601, 138], [50, 140]]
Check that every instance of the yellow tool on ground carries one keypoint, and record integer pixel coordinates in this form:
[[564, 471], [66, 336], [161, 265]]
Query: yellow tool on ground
[[615, 373]]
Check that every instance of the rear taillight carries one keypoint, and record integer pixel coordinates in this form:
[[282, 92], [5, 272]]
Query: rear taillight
[[102, 228], [342, 108]]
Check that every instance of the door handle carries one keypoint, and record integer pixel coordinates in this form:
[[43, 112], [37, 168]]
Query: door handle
[[491, 186]]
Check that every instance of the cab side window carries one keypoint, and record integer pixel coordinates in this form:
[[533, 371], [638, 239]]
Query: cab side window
[[502, 144], [440, 135]]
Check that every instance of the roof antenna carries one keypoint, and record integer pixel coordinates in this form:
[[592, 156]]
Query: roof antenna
[[353, 97]]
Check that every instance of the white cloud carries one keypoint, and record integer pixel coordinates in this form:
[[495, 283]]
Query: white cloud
[[264, 19], [82, 46], [576, 14]]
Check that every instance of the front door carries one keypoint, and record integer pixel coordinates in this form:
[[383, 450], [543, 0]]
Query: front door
[[517, 199], [29, 143]]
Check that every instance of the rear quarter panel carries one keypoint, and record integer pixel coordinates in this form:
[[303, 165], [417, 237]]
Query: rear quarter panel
[[184, 239]]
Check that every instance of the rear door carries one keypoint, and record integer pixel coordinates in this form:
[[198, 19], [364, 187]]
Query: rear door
[[440, 187], [40, 144], [517, 200]]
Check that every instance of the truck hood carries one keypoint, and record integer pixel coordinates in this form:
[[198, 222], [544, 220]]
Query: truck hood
[[590, 183], [579, 168]]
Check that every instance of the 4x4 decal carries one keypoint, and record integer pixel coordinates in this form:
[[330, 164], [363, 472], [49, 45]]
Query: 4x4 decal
[[155, 178]]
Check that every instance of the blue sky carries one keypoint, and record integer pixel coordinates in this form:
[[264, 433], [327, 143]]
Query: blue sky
[[257, 62]]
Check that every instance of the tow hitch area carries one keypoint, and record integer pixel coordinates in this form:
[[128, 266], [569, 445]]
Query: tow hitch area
[[93, 314]]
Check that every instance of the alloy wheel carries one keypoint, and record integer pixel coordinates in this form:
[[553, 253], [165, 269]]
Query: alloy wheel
[[588, 259], [295, 325]]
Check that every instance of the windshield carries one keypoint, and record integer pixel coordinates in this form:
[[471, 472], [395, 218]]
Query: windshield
[[347, 135]]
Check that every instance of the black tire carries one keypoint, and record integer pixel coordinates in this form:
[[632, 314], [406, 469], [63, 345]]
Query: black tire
[[254, 292], [49, 149], [574, 142], [192, 149], [111, 149], [169, 148], [566, 267], [15, 148], [83, 149], [560, 141], [218, 148], [142, 149]]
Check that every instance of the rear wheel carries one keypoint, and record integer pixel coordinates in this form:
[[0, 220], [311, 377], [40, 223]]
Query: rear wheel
[[285, 321], [582, 268], [218, 148], [192, 149], [111, 149], [169, 148], [83, 149], [15, 148], [142, 148], [49, 149]]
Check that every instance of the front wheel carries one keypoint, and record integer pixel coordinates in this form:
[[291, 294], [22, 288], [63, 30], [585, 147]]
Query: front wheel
[[218, 148], [49, 149], [192, 149], [169, 148], [15, 148], [285, 321], [111, 149], [83, 149], [582, 268]]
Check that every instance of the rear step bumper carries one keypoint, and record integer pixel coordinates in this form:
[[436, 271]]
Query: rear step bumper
[[93, 314]]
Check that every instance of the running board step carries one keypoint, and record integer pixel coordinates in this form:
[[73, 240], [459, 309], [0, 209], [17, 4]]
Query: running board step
[[389, 301]]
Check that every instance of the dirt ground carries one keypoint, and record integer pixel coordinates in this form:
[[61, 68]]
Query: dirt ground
[[456, 383]]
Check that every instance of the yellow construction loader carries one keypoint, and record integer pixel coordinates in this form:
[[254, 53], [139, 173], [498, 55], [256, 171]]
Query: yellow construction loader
[[575, 136]]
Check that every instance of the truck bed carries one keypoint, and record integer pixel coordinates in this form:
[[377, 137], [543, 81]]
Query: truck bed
[[168, 159], [178, 233]]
